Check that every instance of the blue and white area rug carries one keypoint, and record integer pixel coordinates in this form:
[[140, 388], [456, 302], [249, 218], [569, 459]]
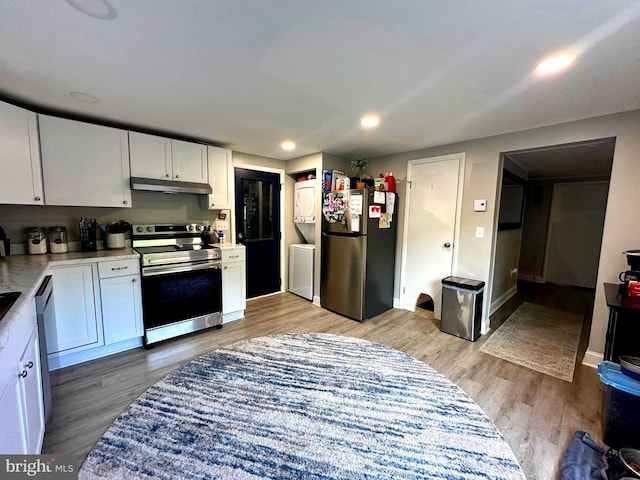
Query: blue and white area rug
[[311, 406]]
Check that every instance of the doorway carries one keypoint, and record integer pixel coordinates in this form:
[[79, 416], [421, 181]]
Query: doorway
[[258, 228], [551, 258], [432, 212]]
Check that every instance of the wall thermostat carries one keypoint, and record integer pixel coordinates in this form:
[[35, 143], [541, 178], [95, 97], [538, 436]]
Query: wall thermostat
[[479, 205]]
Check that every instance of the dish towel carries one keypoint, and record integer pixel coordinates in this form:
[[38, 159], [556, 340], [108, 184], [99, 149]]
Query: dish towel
[[583, 460]]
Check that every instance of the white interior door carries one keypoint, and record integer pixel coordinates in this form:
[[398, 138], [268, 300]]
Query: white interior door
[[575, 233], [432, 206]]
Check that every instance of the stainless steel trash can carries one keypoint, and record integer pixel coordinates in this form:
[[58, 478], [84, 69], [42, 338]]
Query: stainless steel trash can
[[462, 307]]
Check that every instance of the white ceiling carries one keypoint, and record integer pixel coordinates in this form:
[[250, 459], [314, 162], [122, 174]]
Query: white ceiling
[[249, 74], [587, 159]]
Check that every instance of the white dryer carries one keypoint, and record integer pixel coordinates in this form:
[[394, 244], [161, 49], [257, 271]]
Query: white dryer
[[304, 209]]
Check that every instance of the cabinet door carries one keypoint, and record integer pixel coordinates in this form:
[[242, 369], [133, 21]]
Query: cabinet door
[[84, 164], [220, 177], [121, 308], [21, 404], [21, 181], [31, 396], [13, 439], [234, 290], [189, 161], [150, 156], [76, 321]]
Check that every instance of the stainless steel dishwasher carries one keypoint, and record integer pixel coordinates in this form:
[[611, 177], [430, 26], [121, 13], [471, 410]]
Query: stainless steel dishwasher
[[46, 315]]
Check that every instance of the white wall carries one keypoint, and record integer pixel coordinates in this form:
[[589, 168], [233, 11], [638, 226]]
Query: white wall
[[534, 230], [506, 259], [621, 230]]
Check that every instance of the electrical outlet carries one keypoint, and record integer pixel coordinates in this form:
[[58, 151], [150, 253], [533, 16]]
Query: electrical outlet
[[479, 232], [514, 272]]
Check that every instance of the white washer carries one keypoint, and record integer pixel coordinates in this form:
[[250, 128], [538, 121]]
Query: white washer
[[301, 258]]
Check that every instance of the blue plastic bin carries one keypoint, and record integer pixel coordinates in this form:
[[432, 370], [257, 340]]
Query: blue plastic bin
[[620, 407]]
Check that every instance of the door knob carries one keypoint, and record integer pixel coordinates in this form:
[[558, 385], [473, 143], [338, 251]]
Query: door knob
[[446, 245]]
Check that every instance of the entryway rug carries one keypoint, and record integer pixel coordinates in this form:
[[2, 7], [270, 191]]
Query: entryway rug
[[541, 338], [313, 406]]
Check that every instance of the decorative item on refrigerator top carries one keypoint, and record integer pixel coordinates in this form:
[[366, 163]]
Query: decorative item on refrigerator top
[[36, 240]]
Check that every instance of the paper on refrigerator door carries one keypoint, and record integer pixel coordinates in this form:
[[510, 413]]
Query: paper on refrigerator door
[[355, 204], [378, 197], [391, 202], [355, 223]]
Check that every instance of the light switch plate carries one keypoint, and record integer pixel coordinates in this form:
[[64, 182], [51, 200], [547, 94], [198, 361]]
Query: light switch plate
[[479, 205], [479, 232]]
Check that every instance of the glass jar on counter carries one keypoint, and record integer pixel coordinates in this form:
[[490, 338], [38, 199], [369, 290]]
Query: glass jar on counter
[[36, 240], [58, 240]]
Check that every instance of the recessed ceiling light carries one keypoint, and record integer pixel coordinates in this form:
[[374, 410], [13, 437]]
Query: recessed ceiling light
[[85, 97], [555, 63], [288, 146], [370, 121]]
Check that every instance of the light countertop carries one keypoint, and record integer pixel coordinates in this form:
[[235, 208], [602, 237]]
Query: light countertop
[[24, 273]]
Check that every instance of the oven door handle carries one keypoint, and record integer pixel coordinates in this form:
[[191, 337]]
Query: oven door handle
[[189, 267]]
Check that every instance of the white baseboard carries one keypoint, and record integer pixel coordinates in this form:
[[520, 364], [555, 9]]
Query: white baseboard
[[57, 361], [316, 300], [396, 302], [592, 359], [502, 299], [231, 316]]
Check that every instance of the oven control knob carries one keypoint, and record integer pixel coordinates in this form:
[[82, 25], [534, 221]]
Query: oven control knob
[[139, 229], [190, 228], [149, 228], [198, 227]]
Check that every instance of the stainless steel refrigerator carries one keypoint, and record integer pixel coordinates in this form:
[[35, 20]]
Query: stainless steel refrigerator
[[358, 252]]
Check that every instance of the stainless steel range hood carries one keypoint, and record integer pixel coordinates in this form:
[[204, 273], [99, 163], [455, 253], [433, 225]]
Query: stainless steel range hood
[[169, 186]]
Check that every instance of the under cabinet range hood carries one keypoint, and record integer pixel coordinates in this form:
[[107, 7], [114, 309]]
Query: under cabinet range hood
[[169, 186]]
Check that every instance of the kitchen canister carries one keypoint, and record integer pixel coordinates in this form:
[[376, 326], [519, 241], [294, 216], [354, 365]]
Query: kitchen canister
[[58, 240], [36, 240]]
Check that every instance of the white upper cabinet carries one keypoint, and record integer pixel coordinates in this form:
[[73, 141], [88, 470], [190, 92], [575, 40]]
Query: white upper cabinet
[[21, 181], [220, 178], [150, 156], [189, 161], [84, 164], [167, 159]]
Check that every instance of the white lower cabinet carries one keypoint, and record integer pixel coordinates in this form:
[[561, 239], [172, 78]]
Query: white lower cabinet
[[77, 320], [234, 283], [98, 311], [30, 379], [21, 403], [121, 301]]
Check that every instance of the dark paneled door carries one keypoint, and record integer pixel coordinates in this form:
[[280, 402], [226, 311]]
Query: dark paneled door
[[258, 227]]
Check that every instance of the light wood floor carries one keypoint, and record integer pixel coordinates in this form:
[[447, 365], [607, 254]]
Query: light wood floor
[[538, 414]]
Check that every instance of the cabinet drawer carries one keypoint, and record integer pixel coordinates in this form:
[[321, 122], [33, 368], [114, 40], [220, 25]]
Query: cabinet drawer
[[118, 268], [230, 255]]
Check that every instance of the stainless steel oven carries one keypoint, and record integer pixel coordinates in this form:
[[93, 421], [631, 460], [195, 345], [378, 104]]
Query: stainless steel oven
[[181, 280]]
